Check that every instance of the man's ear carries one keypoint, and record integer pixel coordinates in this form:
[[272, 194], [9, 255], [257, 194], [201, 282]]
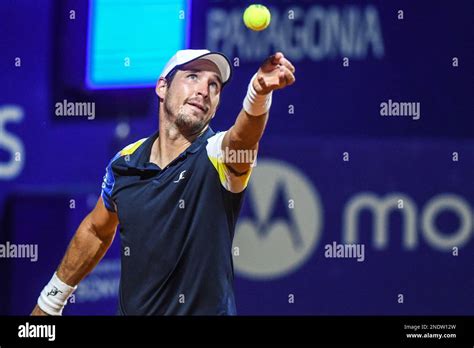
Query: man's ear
[[160, 88]]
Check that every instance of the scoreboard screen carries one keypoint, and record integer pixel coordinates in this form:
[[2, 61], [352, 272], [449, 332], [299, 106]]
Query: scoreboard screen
[[129, 41]]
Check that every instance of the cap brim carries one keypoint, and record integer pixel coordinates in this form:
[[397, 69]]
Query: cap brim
[[220, 60]]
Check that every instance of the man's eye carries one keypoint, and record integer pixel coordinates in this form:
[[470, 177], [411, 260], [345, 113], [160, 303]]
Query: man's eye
[[192, 76], [215, 85]]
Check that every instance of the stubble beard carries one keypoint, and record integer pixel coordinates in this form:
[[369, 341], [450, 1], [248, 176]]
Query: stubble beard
[[186, 123]]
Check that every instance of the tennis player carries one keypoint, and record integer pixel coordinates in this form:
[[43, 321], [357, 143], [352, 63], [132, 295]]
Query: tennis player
[[176, 195]]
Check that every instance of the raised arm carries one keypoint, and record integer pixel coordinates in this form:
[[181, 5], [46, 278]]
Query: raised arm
[[89, 244], [276, 72]]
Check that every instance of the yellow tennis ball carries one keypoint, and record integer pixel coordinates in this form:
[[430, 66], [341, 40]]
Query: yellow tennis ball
[[257, 17]]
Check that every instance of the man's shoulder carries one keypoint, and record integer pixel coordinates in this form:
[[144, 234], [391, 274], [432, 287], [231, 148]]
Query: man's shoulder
[[214, 143], [131, 148], [128, 150]]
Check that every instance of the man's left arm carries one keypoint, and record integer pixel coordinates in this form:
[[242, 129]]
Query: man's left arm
[[276, 72]]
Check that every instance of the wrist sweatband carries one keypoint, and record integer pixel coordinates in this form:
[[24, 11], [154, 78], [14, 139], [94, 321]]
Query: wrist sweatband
[[54, 296], [256, 104]]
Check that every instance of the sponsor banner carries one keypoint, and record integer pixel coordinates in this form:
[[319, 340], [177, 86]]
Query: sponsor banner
[[383, 228]]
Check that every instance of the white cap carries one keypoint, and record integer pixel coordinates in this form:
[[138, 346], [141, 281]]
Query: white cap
[[186, 56]]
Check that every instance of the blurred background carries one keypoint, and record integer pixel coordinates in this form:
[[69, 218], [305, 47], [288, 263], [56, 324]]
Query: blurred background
[[332, 168]]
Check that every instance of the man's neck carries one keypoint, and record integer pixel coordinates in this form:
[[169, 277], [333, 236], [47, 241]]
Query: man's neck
[[170, 144]]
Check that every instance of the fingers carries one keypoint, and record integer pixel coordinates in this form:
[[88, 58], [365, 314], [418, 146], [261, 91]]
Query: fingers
[[275, 59], [285, 62], [281, 77], [286, 76], [278, 77], [262, 82], [279, 59]]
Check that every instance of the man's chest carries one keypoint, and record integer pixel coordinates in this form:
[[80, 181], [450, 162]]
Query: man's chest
[[153, 193]]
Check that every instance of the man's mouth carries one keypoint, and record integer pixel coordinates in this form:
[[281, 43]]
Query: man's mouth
[[197, 105]]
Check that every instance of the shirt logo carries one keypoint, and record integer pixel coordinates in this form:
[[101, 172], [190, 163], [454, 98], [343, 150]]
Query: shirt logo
[[181, 177]]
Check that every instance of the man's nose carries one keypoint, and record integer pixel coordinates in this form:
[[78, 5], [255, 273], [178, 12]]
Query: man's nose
[[203, 89]]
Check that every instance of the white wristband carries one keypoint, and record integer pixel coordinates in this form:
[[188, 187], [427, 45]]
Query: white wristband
[[256, 104], [54, 296]]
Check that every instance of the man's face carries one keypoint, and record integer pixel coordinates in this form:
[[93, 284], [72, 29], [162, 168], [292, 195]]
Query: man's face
[[193, 96]]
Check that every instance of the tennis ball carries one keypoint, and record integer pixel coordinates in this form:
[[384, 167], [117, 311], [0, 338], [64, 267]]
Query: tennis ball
[[257, 17]]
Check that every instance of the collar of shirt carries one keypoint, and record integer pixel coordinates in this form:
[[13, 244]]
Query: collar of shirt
[[140, 158]]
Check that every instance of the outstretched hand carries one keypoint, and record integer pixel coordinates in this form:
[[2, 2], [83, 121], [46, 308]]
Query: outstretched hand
[[276, 72]]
